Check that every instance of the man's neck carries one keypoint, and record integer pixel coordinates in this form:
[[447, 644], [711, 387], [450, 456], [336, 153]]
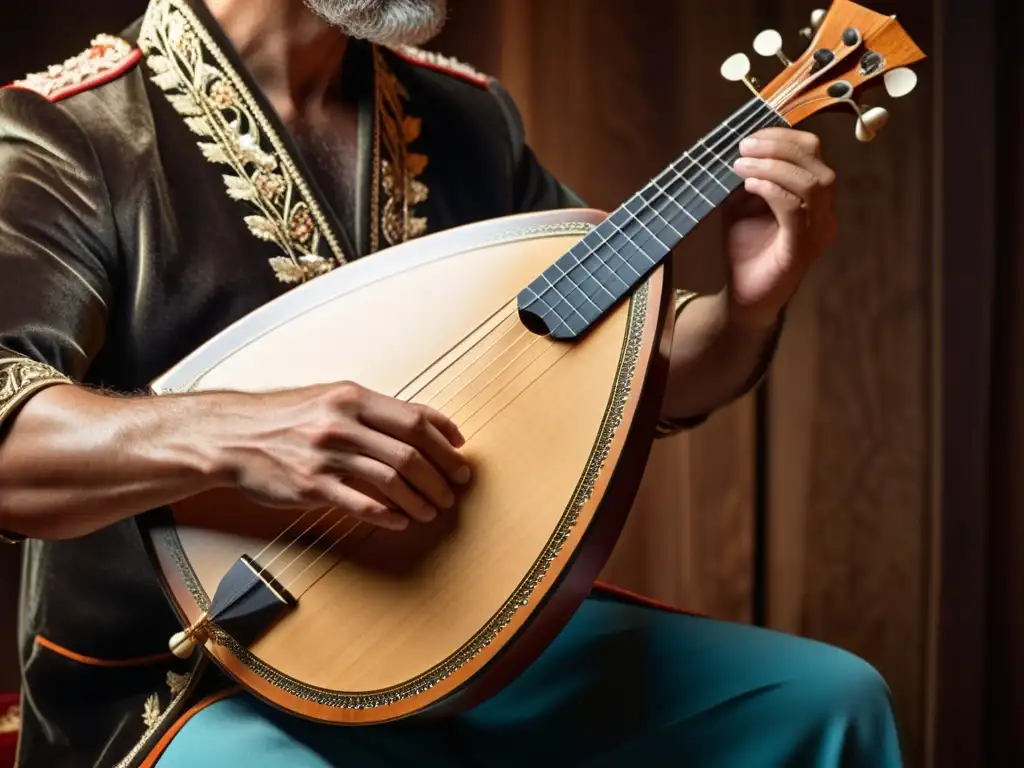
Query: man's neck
[[293, 54]]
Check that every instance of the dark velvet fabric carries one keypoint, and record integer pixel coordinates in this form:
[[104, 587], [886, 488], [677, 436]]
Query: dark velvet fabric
[[120, 252]]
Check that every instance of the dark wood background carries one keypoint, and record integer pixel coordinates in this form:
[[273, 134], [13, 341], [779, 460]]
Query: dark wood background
[[871, 494]]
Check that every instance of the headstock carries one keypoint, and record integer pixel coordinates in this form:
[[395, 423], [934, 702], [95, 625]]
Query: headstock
[[851, 48]]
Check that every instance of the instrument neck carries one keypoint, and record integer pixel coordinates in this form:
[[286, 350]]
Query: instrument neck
[[616, 256]]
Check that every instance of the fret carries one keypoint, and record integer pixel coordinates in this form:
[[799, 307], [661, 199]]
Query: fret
[[615, 257], [730, 179]]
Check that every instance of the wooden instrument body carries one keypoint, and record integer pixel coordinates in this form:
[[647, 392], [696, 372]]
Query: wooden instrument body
[[439, 616]]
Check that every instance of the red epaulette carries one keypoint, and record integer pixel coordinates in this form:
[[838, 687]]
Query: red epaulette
[[445, 64], [106, 59]]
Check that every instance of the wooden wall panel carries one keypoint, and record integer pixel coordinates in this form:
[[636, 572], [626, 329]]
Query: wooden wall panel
[[849, 407], [1006, 586]]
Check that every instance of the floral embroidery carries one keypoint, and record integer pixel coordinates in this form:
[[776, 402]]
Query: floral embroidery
[[104, 55], [20, 376], [151, 711], [199, 82], [400, 169], [176, 683]]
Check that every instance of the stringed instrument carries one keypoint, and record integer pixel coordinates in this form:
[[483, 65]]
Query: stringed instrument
[[545, 337]]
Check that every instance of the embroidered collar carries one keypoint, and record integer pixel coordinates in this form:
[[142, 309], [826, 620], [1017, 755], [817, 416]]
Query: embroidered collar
[[190, 59]]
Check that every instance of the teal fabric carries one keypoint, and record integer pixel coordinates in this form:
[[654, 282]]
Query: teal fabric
[[623, 685]]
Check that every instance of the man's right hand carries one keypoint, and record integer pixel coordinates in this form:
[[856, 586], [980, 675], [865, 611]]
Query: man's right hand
[[74, 461], [381, 460]]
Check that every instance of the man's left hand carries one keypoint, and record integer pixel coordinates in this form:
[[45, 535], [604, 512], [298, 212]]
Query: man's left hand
[[782, 225]]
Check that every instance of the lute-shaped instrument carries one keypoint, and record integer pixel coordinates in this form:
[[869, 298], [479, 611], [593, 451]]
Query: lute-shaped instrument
[[544, 336]]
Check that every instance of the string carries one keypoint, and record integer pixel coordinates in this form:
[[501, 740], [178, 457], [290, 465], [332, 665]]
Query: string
[[680, 175], [264, 568], [480, 407]]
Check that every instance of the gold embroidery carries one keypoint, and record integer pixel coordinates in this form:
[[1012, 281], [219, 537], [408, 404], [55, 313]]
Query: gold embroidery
[[201, 85], [399, 167], [10, 721], [152, 722], [19, 377], [176, 683], [104, 55], [151, 711]]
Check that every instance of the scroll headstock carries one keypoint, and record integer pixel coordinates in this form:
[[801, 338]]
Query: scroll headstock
[[851, 48]]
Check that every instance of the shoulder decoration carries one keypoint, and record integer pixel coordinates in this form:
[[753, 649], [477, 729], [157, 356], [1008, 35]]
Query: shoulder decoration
[[106, 59], [445, 64]]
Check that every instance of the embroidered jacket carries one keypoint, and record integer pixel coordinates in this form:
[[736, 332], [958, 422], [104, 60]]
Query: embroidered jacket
[[151, 197]]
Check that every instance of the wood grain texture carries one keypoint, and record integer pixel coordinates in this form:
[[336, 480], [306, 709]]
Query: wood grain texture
[[966, 225], [849, 420]]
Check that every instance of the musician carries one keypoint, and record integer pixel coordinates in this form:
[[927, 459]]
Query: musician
[[168, 181]]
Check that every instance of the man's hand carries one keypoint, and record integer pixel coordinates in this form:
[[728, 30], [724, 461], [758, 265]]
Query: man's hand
[[784, 223], [378, 459], [75, 461]]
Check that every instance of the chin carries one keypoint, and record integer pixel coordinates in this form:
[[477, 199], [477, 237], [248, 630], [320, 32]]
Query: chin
[[386, 22]]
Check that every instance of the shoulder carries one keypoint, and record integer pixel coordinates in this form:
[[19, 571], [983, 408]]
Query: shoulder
[[104, 61], [90, 112]]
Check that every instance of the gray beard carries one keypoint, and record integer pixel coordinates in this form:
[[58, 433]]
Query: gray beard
[[385, 22]]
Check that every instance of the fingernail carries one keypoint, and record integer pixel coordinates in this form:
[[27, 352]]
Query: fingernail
[[743, 164], [748, 143], [463, 474], [430, 513]]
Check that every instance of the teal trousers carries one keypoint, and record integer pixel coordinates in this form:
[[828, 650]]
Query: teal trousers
[[624, 684]]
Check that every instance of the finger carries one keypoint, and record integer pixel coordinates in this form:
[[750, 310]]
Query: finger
[[786, 206], [789, 152], [388, 482], [809, 142], [792, 178], [362, 507], [409, 462], [415, 425], [444, 425]]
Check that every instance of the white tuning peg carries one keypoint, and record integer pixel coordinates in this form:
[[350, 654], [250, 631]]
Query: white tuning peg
[[900, 82], [817, 17], [736, 67], [769, 43], [870, 123]]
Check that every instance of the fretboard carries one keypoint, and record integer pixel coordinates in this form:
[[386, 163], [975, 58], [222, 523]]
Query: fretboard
[[617, 255]]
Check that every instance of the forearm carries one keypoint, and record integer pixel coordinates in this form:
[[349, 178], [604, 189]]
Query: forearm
[[714, 358], [74, 461]]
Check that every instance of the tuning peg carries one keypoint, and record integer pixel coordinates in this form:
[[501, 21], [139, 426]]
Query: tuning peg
[[769, 43], [900, 82], [817, 17], [737, 68], [870, 122]]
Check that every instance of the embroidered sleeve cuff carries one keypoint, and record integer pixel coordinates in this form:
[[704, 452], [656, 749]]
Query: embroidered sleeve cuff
[[20, 378]]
